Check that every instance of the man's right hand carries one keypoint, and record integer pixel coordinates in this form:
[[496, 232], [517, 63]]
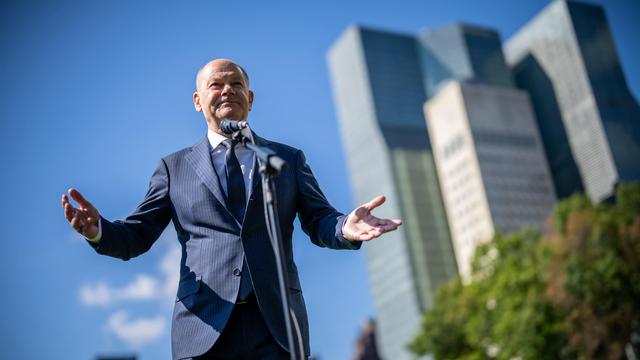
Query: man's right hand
[[83, 219]]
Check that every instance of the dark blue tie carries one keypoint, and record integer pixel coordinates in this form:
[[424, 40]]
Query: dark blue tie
[[236, 198], [236, 201]]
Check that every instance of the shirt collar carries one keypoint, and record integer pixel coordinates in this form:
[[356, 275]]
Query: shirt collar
[[214, 138]]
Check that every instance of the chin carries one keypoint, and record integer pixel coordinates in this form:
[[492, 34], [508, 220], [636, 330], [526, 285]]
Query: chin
[[230, 115]]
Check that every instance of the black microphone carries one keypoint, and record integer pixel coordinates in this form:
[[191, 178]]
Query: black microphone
[[231, 126]]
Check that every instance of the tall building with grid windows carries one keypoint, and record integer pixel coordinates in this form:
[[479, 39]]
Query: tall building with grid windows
[[590, 123], [467, 140], [379, 93], [491, 163]]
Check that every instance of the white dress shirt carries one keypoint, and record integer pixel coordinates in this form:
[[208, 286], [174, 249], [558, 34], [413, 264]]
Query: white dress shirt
[[246, 158]]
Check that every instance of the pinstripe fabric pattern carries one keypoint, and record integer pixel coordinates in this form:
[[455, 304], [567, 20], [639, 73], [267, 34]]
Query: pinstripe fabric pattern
[[185, 189]]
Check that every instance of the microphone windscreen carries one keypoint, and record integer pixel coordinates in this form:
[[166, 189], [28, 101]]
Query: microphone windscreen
[[230, 126]]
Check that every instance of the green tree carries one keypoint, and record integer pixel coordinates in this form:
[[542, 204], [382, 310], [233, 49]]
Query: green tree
[[574, 293], [501, 312], [594, 277]]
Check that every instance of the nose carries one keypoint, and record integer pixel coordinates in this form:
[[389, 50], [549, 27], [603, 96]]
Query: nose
[[228, 89]]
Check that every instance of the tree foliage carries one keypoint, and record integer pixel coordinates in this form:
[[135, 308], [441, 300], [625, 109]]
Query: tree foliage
[[594, 277], [572, 293]]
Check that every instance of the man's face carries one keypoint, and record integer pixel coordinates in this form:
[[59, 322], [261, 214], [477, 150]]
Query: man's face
[[222, 93]]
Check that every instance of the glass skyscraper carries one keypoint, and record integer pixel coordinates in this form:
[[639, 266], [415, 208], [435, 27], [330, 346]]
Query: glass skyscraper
[[491, 163], [590, 123], [509, 133], [379, 93], [462, 52]]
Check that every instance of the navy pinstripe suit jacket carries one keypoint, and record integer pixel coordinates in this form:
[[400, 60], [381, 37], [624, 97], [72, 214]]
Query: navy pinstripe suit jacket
[[184, 188]]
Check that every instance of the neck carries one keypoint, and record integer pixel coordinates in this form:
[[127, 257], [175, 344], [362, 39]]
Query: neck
[[213, 126]]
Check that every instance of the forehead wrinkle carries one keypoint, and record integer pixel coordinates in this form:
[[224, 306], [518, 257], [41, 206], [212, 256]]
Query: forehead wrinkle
[[224, 74], [235, 68]]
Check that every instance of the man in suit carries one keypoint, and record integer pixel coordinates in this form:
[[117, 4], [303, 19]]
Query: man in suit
[[228, 304]]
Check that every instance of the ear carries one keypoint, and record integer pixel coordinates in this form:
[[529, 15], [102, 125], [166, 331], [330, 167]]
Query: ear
[[250, 99], [196, 101]]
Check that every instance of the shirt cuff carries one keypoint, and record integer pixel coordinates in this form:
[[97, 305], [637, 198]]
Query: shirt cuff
[[98, 236], [353, 244]]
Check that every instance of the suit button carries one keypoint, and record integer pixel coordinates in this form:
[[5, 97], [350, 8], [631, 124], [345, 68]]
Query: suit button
[[237, 272]]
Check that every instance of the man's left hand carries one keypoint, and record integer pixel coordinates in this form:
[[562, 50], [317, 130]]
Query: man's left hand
[[361, 225]]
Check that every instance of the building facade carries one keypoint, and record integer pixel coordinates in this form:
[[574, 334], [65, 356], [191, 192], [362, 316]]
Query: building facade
[[490, 160], [378, 91], [467, 140], [491, 164], [590, 123]]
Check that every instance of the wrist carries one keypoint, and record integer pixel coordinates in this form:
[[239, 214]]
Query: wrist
[[97, 235], [344, 224]]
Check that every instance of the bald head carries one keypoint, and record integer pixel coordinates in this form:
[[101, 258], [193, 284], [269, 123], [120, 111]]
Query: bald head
[[222, 92], [206, 70]]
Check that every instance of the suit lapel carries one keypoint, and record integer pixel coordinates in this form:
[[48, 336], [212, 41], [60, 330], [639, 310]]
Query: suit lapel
[[200, 159]]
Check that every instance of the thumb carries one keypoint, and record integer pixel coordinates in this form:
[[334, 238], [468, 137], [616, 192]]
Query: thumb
[[377, 201]]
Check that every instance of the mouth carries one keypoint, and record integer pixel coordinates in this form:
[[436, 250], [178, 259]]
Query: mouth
[[226, 108], [227, 102]]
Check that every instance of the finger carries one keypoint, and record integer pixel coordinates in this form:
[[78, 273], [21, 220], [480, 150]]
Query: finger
[[68, 211], [387, 228], [383, 225], [366, 237], [76, 224], [393, 222], [75, 194], [377, 201], [64, 201], [375, 234]]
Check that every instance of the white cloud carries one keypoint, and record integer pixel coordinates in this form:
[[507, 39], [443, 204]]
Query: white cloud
[[160, 287], [143, 287], [135, 332], [170, 267], [98, 294]]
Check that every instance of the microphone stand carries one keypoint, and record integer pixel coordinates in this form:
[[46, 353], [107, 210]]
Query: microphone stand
[[270, 166]]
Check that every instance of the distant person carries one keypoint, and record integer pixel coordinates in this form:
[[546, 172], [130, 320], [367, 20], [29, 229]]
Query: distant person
[[228, 304]]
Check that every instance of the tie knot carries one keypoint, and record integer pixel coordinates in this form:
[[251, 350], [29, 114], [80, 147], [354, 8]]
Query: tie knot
[[229, 143]]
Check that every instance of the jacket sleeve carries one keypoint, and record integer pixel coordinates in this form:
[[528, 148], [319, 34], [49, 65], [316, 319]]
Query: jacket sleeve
[[134, 235], [318, 218]]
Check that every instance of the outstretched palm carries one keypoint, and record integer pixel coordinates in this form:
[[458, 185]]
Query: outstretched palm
[[363, 226], [84, 218]]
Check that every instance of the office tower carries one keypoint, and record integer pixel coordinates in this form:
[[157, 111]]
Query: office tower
[[462, 52], [379, 93], [491, 164], [490, 159], [566, 59]]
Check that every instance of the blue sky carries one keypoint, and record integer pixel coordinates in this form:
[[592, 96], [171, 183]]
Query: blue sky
[[94, 93]]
